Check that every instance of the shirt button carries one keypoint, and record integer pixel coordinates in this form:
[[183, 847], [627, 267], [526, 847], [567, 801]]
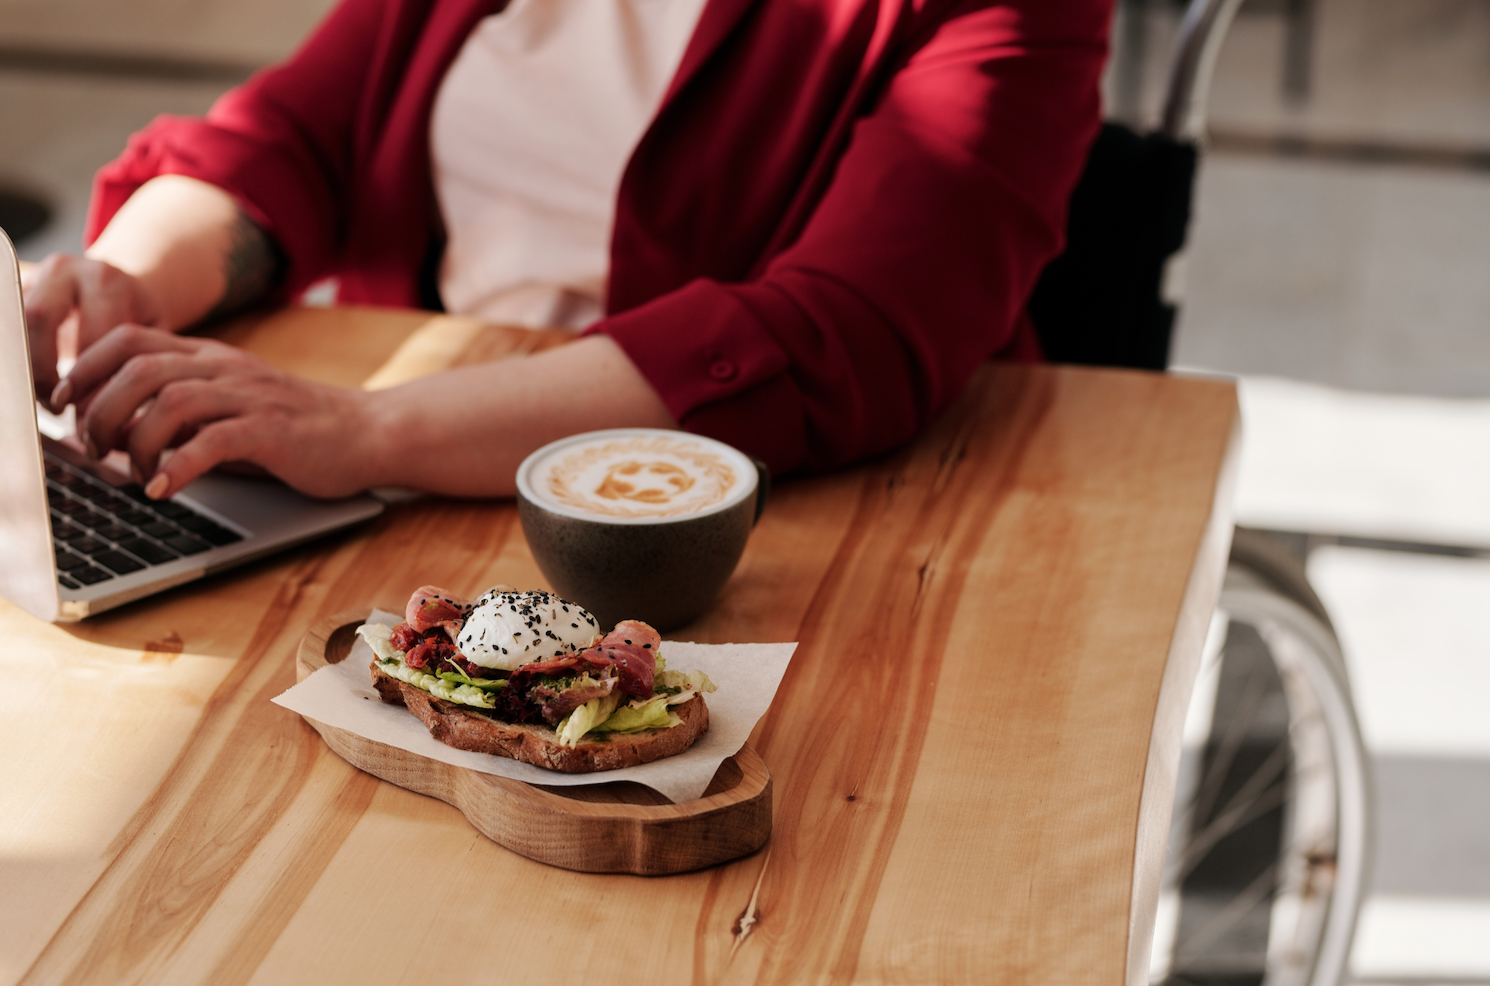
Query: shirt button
[[722, 370]]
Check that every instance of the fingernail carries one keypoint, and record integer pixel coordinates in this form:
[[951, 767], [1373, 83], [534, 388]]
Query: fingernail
[[158, 486], [61, 395]]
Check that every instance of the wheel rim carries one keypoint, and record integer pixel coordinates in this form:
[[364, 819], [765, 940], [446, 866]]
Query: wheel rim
[[1237, 908]]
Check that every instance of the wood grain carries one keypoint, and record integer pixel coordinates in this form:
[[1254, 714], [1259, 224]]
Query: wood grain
[[972, 752], [605, 828]]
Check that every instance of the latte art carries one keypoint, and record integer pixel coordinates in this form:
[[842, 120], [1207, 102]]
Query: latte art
[[637, 476]]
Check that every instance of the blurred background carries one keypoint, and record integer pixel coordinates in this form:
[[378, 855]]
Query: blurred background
[[1338, 265]]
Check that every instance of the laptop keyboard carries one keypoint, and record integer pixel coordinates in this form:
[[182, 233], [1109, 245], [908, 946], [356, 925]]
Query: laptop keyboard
[[101, 531]]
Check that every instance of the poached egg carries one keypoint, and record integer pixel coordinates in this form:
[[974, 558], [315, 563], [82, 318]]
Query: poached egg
[[508, 629]]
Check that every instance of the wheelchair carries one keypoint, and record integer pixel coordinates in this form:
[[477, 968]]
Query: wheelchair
[[1270, 833]]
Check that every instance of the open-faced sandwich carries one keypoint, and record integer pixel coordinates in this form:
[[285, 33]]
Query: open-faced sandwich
[[530, 676]]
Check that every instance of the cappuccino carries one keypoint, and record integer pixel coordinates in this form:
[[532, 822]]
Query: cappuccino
[[637, 475]]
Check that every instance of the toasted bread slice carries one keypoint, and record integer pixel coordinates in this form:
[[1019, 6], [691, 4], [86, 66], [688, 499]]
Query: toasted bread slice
[[464, 729]]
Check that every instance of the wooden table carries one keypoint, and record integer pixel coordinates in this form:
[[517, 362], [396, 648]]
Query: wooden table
[[974, 750]]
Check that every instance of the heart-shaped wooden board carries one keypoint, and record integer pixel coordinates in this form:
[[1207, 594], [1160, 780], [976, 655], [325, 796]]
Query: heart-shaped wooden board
[[615, 827]]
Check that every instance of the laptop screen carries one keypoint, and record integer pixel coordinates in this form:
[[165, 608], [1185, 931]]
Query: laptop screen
[[28, 575]]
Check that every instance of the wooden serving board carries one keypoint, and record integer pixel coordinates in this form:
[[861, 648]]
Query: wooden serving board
[[615, 827]]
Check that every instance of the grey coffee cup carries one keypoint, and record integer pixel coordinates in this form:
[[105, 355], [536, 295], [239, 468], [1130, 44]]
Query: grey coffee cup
[[664, 570]]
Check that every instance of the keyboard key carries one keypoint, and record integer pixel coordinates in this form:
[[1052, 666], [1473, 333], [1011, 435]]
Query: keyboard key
[[118, 562], [69, 506], [90, 575], [93, 494], [91, 518], [67, 532], [151, 552], [56, 497], [114, 532], [196, 522], [66, 562], [89, 546], [160, 529], [73, 481], [219, 536], [53, 469], [136, 492], [187, 545], [68, 583], [175, 511], [131, 515]]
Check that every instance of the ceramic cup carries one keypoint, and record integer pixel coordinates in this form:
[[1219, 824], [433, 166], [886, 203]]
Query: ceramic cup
[[639, 523]]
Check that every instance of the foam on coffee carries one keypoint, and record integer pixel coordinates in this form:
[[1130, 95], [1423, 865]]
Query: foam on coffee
[[638, 475]]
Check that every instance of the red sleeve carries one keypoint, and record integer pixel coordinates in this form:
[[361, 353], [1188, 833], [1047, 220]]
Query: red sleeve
[[292, 144], [916, 263]]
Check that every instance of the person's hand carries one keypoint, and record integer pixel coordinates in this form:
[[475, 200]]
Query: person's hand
[[71, 302], [146, 391]]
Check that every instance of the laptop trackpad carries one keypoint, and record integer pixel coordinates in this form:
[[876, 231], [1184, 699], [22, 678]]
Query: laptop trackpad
[[261, 508]]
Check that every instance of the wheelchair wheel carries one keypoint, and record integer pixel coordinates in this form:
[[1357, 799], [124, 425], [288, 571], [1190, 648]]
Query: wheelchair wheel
[[1269, 838]]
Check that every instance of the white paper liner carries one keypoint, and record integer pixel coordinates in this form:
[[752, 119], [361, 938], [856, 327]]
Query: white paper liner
[[747, 676]]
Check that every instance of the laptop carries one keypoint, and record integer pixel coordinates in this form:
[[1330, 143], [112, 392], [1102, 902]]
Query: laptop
[[77, 538]]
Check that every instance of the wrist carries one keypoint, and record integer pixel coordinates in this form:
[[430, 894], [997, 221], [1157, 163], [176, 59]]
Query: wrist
[[380, 430]]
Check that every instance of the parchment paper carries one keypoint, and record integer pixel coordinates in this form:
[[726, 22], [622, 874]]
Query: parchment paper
[[747, 676]]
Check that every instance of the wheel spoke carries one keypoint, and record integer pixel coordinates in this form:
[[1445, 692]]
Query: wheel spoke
[[1231, 742], [1260, 889]]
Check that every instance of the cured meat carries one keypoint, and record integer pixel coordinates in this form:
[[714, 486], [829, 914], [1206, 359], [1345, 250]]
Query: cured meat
[[405, 637], [631, 651], [628, 654], [434, 651], [430, 606], [554, 703], [430, 650]]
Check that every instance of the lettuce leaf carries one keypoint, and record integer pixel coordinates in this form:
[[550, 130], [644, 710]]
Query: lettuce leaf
[[585, 718], [485, 684], [452, 686], [637, 716], [686, 683], [379, 637]]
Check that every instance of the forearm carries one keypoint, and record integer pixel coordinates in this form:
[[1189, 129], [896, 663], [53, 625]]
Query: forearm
[[464, 432], [192, 249]]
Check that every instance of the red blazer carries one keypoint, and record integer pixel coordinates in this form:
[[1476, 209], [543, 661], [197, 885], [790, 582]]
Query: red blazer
[[836, 215]]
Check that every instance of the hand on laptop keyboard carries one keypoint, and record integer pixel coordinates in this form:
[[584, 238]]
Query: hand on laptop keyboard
[[145, 391], [101, 295]]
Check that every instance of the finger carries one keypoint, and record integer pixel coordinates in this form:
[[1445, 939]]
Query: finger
[[228, 440], [138, 380], [176, 415], [98, 363], [51, 292]]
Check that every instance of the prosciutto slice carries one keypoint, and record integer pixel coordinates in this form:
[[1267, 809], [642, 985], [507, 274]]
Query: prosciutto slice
[[627, 656], [430, 607], [555, 703]]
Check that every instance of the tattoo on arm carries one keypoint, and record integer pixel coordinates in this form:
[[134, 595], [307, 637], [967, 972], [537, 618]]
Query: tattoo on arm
[[252, 267]]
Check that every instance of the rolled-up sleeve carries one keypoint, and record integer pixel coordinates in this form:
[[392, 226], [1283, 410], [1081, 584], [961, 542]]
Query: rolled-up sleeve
[[914, 267]]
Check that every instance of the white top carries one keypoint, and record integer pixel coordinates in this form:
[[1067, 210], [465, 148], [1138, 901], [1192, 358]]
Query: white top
[[531, 130]]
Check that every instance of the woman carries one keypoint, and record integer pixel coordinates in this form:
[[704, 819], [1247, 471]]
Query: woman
[[815, 219]]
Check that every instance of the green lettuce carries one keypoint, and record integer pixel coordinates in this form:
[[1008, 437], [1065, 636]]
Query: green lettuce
[[637, 716], [680, 686], [452, 686], [379, 637], [585, 718]]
